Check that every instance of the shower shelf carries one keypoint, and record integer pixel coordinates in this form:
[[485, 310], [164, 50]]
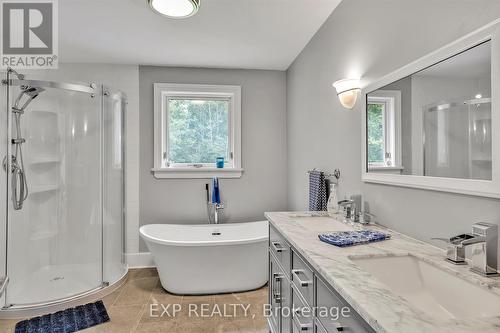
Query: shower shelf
[[44, 188], [46, 111], [44, 234], [45, 159]]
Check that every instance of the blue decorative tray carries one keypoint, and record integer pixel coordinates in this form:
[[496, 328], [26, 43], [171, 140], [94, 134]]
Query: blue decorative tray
[[350, 238]]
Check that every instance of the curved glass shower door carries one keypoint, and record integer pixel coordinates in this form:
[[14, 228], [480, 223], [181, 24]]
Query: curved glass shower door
[[113, 184], [3, 193], [55, 239]]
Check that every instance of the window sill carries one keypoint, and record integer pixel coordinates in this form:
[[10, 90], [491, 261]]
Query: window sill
[[196, 173], [377, 168]]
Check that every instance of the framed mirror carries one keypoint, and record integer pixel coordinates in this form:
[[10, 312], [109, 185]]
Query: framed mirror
[[434, 124]]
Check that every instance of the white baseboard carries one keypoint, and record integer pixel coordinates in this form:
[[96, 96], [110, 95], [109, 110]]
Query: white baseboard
[[139, 260]]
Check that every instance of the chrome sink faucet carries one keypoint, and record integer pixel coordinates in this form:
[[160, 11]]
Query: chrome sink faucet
[[484, 245], [347, 207], [455, 252]]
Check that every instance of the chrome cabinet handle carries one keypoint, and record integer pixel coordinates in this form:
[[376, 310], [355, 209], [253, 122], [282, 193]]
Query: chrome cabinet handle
[[276, 295], [339, 327], [300, 326], [295, 273], [277, 247]]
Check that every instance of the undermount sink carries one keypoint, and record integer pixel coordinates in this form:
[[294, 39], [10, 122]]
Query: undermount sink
[[430, 289]]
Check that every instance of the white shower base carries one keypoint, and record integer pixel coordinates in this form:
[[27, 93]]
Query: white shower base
[[45, 292], [54, 282]]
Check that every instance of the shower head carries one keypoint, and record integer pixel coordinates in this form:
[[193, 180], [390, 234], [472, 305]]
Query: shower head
[[31, 93]]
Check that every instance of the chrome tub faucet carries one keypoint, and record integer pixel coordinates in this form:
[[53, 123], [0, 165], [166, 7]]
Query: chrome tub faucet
[[214, 206], [217, 207]]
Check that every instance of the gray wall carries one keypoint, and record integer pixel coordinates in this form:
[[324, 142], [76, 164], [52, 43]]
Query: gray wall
[[263, 184], [372, 38]]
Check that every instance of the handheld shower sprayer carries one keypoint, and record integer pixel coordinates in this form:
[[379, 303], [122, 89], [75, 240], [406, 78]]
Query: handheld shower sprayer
[[19, 183], [31, 93]]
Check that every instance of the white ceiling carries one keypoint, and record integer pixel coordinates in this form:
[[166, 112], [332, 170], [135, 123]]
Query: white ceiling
[[262, 34]]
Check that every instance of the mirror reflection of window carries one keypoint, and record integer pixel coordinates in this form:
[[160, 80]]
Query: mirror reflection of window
[[384, 129], [376, 130]]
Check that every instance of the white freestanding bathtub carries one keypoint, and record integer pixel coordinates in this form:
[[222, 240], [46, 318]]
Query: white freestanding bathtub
[[209, 258]]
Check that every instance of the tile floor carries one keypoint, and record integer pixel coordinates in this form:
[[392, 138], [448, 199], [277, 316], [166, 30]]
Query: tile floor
[[136, 307]]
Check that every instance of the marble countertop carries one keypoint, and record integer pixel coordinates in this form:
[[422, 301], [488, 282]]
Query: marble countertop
[[385, 311]]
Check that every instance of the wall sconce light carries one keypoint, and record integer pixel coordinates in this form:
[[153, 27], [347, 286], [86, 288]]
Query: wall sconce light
[[347, 91]]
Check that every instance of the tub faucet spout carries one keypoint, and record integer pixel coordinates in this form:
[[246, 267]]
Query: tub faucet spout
[[214, 206], [217, 208]]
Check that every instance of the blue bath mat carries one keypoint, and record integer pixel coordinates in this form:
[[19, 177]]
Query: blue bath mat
[[350, 238], [67, 321]]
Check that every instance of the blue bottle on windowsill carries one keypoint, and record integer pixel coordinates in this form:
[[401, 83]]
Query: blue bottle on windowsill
[[219, 162]]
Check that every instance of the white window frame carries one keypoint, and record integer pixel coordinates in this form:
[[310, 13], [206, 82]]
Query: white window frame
[[392, 127], [476, 187], [163, 92]]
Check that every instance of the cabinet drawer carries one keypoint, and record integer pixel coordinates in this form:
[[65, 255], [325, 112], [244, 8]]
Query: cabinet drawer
[[302, 314], [280, 248], [286, 303], [327, 298], [276, 277], [319, 327], [303, 278]]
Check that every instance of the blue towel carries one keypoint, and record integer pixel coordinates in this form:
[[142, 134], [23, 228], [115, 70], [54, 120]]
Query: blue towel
[[215, 191], [317, 190], [349, 238]]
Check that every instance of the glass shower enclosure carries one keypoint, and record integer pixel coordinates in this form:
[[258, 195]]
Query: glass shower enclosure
[[61, 190]]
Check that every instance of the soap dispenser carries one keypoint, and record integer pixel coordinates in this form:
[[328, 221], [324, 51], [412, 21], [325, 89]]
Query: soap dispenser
[[332, 206]]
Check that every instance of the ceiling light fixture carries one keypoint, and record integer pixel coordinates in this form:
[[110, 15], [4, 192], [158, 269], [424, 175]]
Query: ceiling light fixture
[[347, 91], [176, 9]]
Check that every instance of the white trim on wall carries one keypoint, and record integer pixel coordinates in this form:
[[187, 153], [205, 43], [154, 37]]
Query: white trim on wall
[[139, 260], [484, 188]]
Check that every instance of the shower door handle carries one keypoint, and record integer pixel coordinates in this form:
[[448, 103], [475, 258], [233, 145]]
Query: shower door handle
[[4, 280]]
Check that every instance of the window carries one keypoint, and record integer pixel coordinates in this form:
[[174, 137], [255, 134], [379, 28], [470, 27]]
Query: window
[[194, 125], [384, 129]]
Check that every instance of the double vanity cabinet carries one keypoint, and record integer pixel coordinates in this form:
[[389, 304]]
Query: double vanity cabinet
[[300, 299], [401, 285]]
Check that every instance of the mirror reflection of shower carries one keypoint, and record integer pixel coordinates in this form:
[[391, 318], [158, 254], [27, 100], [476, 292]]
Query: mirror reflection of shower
[[457, 139], [19, 182]]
